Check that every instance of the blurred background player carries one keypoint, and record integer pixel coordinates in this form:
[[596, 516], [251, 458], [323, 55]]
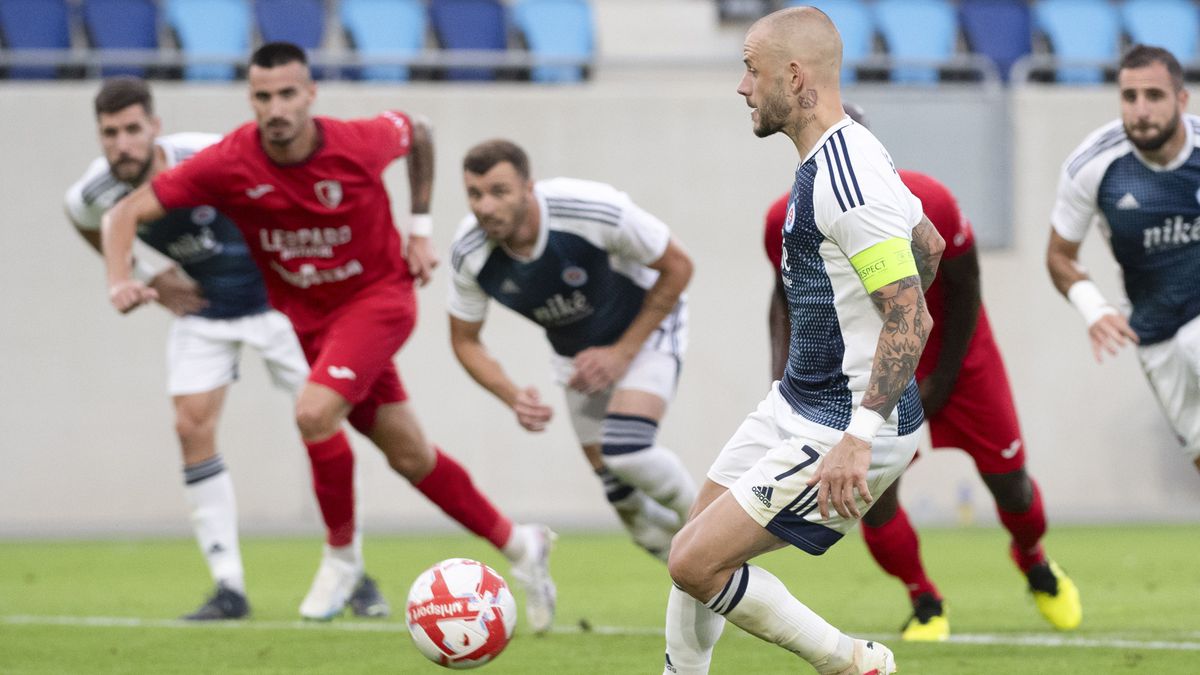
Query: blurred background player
[[605, 279], [1139, 174], [309, 196], [844, 419], [968, 404], [221, 304]]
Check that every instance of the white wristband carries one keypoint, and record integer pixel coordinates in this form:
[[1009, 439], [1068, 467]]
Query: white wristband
[[1090, 302], [144, 272], [864, 424], [421, 225]]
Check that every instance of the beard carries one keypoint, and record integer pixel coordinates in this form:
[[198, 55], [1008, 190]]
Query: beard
[[772, 114], [138, 175], [1155, 142]]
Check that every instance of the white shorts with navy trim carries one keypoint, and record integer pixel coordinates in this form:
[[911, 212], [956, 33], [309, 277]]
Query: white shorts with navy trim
[[204, 354], [655, 369], [767, 464], [1173, 368]]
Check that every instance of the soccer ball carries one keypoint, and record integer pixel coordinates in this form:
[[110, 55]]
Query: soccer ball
[[460, 613]]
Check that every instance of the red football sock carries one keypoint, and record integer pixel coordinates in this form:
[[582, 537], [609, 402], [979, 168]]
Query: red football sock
[[895, 547], [333, 481], [450, 487], [1027, 530]]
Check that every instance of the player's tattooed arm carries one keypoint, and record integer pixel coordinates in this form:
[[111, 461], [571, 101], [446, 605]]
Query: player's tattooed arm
[[420, 165], [906, 326], [927, 247]]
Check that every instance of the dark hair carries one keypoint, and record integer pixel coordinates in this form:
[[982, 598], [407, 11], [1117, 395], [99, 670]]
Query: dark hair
[[1140, 56], [481, 158], [278, 54], [118, 93]]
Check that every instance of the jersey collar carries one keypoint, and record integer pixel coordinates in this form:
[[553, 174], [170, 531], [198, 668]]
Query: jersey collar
[[837, 126]]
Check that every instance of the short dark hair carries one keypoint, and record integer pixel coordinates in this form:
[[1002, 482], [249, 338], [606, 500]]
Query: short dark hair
[[118, 93], [481, 158], [1140, 56], [278, 54]]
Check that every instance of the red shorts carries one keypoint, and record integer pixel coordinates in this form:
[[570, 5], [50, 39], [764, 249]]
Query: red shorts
[[352, 354], [980, 419]]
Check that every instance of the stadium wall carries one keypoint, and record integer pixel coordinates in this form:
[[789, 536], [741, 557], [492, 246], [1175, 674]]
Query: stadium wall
[[88, 444]]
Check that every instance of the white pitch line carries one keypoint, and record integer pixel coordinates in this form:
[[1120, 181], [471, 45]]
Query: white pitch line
[[1013, 640]]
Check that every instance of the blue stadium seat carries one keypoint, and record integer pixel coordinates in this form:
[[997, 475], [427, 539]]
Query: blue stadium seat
[[385, 28], [34, 24], [300, 22], [854, 22], [212, 28], [478, 25], [556, 28], [917, 29], [1170, 24], [998, 29], [121, 24], [1080, 30]]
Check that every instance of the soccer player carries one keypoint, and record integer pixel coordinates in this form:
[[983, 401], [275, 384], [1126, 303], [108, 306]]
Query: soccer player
[[222, 305], [605, 279], [1139, 174], [968, 404], [842, 424], [308, 194]]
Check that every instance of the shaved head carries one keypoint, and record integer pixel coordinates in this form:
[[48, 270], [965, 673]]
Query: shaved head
[[805, 35]]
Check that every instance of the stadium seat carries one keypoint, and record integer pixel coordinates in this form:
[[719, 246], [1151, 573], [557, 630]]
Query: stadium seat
[[121, 24], [477, 25], [854, 22], [34, 24], [556, 28], [1081, 30], [211, 28], [998, 29], [385, 28], [1170, 24], [917, 29], [300, 22]]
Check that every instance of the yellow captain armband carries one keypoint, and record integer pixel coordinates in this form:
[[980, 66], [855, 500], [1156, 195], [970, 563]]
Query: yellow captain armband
[[887, 262]]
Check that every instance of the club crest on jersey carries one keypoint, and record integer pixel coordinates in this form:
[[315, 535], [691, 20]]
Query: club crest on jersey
[[329, 192], [574, 276], [790, 221], [203, 215]]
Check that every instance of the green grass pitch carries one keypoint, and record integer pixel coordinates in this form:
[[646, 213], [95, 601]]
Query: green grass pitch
[[107, 607]]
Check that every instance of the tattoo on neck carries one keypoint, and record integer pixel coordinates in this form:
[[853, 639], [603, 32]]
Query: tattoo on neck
[[805, 121], [808, 99]]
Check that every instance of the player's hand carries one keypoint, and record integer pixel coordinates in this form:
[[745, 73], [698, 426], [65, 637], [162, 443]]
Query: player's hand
[[531, 412], [841, 471], [935, 391], [130, 294], [177, 292], [1108, 334], [598, 368], [422, 259]]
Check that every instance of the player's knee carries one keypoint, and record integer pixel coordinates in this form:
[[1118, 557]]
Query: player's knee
[[687, 568], [315, 422], [193, 430], [1013, 491]]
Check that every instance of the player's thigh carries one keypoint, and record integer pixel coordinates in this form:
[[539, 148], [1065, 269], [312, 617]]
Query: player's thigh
[[200, 356], [981, 419], [271, 333], [720, 538], [1174, 382]]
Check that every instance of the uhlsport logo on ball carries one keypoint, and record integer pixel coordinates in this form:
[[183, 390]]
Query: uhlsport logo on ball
[[461, 613]]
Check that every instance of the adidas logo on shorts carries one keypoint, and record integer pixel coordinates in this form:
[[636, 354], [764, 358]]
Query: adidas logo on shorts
[[763, 492]]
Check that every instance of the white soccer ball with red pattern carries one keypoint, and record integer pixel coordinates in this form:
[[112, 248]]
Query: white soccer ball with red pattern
[[461, 613]]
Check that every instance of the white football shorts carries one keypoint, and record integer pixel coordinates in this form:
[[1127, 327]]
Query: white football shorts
[[203, 354], [1173, 368], [655, 369], [767, 464]]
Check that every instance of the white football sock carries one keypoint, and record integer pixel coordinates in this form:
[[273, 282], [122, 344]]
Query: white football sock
[[692, 630], [209, 491], [518, 544], [768, 611], [350, 553], [658, 472]]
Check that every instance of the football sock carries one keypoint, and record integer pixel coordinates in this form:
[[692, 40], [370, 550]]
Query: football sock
[[350, 553], [629, 502], [692, 630], [895, 546], [333, 482], [209, 490], [450, 488], [758, 603], [628, 444], [1027, 530]]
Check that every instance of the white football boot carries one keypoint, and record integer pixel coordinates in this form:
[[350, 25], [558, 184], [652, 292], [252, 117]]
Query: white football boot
[[331, 588], [532, 573]]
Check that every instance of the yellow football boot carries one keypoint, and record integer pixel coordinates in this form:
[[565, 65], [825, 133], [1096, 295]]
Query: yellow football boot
[[928, 622], [1056, 596]]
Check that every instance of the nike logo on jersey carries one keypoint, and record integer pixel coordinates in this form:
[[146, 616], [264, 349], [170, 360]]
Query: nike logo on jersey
[[1012, 450], [259, 190], [341, 373], [1128, 202]]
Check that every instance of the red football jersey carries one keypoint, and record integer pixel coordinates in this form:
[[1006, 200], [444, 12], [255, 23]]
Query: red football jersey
[[942, 209], [321, 230]]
